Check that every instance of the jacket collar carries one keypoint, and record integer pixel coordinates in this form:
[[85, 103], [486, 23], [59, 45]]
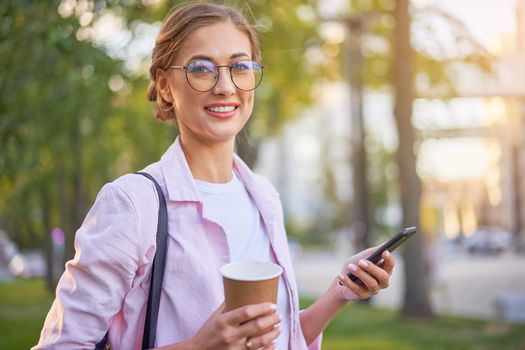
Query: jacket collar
[[181, 186], [177, 175]]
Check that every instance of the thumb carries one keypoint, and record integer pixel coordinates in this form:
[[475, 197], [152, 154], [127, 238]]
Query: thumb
[[355, 258]]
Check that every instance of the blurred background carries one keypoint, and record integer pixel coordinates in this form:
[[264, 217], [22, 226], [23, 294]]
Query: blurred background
[[373, 115]]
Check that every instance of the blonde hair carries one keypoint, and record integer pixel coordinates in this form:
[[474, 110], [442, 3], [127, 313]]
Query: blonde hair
[[181, 22]]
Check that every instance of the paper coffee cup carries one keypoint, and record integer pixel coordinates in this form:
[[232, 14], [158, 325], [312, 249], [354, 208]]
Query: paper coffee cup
[[250, 282]]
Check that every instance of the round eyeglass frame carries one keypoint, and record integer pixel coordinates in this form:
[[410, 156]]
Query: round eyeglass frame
[[185, 68]]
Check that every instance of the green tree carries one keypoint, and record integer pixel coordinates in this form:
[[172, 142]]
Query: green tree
[[55, 103], [64, 132]]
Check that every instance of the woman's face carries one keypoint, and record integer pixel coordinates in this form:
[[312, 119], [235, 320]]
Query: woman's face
[[219, 114]]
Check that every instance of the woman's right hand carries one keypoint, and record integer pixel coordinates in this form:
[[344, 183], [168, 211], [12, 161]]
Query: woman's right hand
[[237, 329]]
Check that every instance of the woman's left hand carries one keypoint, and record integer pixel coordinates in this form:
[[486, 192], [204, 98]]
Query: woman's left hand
[[373, 277]]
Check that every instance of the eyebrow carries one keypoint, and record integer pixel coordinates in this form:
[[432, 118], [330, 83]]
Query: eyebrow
[[204, 57]]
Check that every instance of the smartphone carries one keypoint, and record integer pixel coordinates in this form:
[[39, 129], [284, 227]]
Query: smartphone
[[391, 245]]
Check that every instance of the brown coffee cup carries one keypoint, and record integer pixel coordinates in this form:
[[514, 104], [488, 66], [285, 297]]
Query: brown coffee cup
[[250, 282]]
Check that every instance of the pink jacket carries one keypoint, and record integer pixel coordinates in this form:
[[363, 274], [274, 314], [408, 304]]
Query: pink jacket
[[105, 286]]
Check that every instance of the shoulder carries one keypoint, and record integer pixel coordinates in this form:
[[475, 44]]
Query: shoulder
[[130, 193], [131, 202], [132, 184], [137, 189]]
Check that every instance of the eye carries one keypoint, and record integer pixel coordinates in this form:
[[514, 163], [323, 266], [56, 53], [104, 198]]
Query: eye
[[201, 67], [242, 66]]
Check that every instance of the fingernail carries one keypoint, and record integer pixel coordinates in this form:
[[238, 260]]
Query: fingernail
[[341, 276], [386, 253], [352, 267], [273, 307], [363, 263], [280, 318]]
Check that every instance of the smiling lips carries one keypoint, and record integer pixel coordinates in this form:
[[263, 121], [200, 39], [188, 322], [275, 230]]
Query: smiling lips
[[222, 110]]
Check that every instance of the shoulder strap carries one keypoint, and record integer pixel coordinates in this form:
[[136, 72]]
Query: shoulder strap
[[157, 270], [157, 274]]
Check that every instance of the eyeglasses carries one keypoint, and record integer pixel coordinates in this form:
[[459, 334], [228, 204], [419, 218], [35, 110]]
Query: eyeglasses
[[203, 75]]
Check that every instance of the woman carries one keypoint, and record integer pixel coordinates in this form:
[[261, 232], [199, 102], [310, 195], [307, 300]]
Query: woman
[[205, 68]]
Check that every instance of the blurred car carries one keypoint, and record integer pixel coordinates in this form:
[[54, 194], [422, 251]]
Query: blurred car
[[28, 264], [488, 241], [14, 263]]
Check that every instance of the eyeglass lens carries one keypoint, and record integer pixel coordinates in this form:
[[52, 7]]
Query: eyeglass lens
[[202, 75]]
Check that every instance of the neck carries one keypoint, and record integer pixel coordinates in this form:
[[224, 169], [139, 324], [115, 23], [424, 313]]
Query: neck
[[209, 162]]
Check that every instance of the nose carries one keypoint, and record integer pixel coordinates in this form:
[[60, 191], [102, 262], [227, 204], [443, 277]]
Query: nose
[[224, 84]]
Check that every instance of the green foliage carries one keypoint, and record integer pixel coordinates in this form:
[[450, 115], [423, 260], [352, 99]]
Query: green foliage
[[432, 61], [287, 85], [64, 132], [55, 99]]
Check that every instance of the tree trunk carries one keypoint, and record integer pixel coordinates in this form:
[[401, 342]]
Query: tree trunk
[[361, 212], [48, 242], [416, 301]]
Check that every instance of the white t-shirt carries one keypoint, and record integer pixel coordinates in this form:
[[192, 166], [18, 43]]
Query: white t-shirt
[[230, 206]]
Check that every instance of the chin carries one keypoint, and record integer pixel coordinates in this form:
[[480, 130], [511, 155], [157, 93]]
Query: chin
[[225, 137]]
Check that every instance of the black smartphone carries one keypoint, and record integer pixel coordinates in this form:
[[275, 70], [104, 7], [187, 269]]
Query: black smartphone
[[392, 244]]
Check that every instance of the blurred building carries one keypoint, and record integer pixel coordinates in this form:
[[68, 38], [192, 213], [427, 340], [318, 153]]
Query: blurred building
[[493, 115]]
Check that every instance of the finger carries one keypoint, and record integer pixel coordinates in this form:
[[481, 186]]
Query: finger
[[369, 281], [249, 312], [266, 340], [358, 288], [379, 274], [259, 325], [388, 262]]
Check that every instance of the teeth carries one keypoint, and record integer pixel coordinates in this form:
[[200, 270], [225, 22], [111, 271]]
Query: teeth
[[222, 109]]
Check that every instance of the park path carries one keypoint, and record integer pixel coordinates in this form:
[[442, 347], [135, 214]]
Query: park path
[[463, 285]]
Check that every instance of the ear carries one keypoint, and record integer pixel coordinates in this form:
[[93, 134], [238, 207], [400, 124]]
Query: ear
[[163, 86]]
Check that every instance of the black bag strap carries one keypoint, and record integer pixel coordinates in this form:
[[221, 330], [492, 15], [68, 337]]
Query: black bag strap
[[157, 270], [157, 274]]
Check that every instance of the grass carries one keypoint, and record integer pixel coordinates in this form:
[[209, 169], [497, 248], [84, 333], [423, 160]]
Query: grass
[[362, 327], [23, 307], [24, 304]]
